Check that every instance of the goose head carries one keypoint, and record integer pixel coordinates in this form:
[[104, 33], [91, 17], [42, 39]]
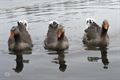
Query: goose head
[[53, 24], [105, 25], [23, 24], [15, 34], [90, 21], [60, 32], [14, 31]]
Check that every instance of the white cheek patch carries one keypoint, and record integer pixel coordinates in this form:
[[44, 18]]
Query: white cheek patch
[[89, 21], [24, 22], [20, 21], [51, 22]]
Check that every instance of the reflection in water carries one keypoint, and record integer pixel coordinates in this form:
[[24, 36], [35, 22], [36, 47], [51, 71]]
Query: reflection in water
[[60, 60], [72, 14], [103, 57], [20, 61]]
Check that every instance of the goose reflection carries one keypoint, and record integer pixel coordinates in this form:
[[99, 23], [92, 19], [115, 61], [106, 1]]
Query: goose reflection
[[103, 58], [20, 61], [60, 60]]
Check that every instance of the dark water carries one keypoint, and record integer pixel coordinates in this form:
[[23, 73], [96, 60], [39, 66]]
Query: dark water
[[76, 63]]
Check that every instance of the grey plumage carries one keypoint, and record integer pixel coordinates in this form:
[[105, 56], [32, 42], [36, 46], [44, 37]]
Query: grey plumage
[[20, 39], [95, 36], [52, 42]]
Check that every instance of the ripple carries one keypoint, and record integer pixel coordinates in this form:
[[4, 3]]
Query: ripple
[[70, 13]]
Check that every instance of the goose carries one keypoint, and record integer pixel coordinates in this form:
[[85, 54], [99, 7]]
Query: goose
[[19, 38], [96, 36], [56, 39]]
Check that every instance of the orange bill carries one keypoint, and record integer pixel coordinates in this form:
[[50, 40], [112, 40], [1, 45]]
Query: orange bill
[[59, 33]]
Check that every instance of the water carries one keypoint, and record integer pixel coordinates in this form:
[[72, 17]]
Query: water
[[76, 63]]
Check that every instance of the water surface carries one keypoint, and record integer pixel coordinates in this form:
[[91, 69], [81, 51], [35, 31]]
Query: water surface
[[76, 63]]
